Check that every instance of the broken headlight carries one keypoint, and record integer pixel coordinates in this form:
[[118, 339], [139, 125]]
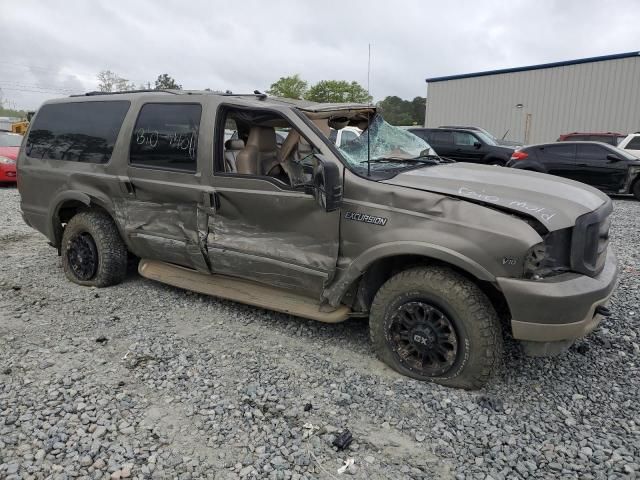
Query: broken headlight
[[549, 257]]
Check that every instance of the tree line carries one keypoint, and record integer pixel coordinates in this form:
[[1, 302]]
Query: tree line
[[396, 110], [109, 81]]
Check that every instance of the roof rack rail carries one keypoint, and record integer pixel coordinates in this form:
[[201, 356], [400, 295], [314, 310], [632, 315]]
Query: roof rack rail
[[96, 93]]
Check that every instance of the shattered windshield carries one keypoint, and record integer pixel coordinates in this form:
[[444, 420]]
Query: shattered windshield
[[389, 148]]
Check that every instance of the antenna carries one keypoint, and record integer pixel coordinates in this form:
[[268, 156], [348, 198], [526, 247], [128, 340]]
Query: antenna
[[369, 115]]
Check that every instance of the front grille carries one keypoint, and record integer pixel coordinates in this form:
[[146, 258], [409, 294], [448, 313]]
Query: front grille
[[590, 240]]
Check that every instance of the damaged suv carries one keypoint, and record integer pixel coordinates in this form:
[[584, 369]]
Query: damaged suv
[[443, 258]]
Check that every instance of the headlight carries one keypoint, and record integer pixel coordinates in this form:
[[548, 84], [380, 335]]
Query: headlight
[[550, 257], [7, 161]]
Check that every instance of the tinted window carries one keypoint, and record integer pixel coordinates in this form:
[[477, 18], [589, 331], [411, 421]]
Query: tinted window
[[463, 138], [166, 136], [560, 150], [441, 138], [634, 144], [593, 153], [80, 131]]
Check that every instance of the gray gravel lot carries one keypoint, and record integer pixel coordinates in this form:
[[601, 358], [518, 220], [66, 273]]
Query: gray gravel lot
[[142, 380]]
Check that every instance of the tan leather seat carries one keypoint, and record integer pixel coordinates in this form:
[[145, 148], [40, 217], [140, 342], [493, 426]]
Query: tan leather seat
[[231, 150], [260, 151]]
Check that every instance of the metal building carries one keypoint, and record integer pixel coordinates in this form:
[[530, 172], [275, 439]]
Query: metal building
[[538, 103]]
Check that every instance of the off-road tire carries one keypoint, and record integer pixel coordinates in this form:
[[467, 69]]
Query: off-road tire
[[111, 250], [635, 189], [479, 346]]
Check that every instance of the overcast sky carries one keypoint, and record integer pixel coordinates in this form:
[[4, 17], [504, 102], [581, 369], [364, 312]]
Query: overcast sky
[[52, 48]]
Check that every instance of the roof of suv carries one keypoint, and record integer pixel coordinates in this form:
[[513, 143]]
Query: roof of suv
[[257, 97]]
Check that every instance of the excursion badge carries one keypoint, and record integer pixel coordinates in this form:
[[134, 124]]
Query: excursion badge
[[363, 217]]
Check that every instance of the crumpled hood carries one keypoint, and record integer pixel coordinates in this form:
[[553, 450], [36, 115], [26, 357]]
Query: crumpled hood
[[554, 201]]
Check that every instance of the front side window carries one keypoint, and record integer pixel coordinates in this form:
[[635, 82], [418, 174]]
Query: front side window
[[463, 139], [593, 153], [166, 137], [76, 131], [265, 145]]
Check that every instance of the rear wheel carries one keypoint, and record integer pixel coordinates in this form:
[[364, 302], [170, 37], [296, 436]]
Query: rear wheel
[[496, 163], [434, 324], [93, 254]]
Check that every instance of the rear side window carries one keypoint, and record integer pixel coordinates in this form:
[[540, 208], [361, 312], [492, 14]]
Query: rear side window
[[77, 132], [441, 138], [166, 136], [634, 144], [560, 150]]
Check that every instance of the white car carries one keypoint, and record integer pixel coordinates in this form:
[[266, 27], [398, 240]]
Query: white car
[[631, 143], [344, 135]]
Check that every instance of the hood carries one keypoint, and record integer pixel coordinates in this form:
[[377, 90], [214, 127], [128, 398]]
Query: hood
[[556, 202], [9, 152]]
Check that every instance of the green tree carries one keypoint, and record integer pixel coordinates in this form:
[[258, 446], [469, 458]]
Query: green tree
[[165, 82], [419, 109], [289, 87], [337, 91], [109, 81], [397, 111]]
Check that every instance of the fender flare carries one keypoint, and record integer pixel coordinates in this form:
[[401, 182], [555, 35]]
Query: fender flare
[[57, 203], [334, 293]]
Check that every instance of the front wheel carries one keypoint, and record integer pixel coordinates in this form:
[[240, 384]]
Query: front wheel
[[434, 324]]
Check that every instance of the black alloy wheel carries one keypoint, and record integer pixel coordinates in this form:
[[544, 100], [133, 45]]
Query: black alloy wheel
[[82, 255], [423, 338]]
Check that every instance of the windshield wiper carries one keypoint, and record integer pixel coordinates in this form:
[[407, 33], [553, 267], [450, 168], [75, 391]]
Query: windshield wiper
[[432, 161], [439, 158]]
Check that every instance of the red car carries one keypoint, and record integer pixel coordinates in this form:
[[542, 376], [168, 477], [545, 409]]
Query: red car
[[9, 147], [612, 138]]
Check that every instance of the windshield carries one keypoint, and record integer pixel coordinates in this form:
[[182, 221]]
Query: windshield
[[386, 142], [10, 140]]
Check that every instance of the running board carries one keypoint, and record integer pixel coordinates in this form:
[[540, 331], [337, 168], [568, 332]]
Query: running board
[[239, 290]]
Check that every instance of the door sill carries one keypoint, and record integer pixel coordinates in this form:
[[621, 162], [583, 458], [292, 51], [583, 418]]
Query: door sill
[[240, 290]]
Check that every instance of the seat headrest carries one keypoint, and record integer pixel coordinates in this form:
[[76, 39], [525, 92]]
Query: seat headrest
[[264, 138], [234, 144]]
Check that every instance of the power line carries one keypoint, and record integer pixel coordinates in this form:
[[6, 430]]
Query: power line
[[4, 83]]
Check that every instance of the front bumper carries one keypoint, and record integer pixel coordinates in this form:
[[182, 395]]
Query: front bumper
[[559, 308]]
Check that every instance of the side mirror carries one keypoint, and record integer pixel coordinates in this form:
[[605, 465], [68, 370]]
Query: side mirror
[[477, 144], [327, 186], [612, 157]]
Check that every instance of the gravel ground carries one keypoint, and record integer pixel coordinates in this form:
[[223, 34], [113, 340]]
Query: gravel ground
[[143, 380]]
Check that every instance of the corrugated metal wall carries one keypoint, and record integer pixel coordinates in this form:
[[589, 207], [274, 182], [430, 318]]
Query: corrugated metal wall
[[598, 96]]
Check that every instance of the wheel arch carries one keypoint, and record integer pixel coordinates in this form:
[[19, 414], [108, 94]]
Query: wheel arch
[[67, 204], [363, 279]]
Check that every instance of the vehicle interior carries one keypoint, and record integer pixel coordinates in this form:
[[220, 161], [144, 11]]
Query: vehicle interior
[[263, 143]]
